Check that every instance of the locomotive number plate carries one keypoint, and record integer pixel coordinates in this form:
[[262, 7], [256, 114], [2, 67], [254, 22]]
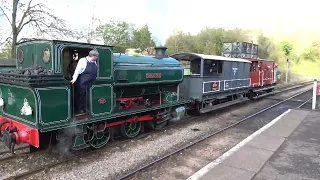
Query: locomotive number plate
[[214, 86], [102, 101], [153, 75]]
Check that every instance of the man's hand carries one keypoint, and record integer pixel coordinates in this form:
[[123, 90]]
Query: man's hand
[[72, 81]]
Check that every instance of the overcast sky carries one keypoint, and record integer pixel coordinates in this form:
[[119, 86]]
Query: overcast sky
[[163, 16]]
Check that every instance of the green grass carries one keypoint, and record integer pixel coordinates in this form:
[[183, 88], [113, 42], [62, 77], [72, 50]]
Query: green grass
[[306, 68], [299, 71]]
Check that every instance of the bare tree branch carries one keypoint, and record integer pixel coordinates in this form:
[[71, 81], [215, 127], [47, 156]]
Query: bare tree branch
[[5, 15], [37, 16], [8, 40], [24, 16]]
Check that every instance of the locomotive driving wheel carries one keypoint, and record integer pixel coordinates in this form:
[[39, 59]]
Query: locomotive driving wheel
[[98, 134], [131, 129]]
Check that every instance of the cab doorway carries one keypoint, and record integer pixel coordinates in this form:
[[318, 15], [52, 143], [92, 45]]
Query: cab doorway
[[70, 58]]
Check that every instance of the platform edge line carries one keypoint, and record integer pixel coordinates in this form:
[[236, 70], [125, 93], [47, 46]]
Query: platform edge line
[[220, 159]]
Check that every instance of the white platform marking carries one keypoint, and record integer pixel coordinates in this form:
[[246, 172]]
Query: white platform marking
[[214, 163]]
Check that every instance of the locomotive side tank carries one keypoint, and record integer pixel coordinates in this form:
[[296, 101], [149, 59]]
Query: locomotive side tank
[[158, 69], [214, 81], [152, 79]]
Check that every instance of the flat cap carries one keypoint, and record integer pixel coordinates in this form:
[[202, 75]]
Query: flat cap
[[94, 53]]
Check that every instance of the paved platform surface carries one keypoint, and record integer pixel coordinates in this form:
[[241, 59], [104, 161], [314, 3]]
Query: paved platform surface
[[288, 148]]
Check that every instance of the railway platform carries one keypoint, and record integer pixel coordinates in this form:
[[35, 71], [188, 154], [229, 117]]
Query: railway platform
[[287, 148]]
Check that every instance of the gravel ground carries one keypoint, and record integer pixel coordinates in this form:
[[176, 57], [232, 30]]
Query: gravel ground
[[117, 160], [25, 163], [4, 149]]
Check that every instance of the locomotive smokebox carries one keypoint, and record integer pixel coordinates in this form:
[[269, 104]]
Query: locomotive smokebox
[[160, 52]]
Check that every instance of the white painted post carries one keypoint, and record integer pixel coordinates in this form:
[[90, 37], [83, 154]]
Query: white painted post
[[314, 97], [287, 70]]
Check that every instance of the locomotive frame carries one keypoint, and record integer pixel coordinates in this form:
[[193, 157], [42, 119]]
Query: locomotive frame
[[131, 91]]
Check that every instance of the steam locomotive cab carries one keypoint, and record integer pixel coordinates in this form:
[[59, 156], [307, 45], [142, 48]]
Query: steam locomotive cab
[[40, 90]]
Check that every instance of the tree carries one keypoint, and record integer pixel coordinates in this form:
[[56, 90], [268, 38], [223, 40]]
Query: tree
[[142, 38], [207, 41], [38, 16], [86, 34], [266, 46], [235, 35], [180, 41], [312, 52], [210, 41], [116, 33], [5, 53], [286, 47]]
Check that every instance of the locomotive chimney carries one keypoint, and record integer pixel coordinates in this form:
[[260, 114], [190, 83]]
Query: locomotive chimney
[[160, 52]]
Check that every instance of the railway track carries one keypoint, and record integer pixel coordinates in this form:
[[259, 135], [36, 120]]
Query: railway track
[[46, 167], [17, 149], [67, 159], [306, 105], [13, 156], [4, 157], [135, 172]]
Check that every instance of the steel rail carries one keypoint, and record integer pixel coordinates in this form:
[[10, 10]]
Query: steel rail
[[19, 148], [304, 103]]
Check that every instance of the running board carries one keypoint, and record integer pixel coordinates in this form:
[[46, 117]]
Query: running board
[[215, 107]]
